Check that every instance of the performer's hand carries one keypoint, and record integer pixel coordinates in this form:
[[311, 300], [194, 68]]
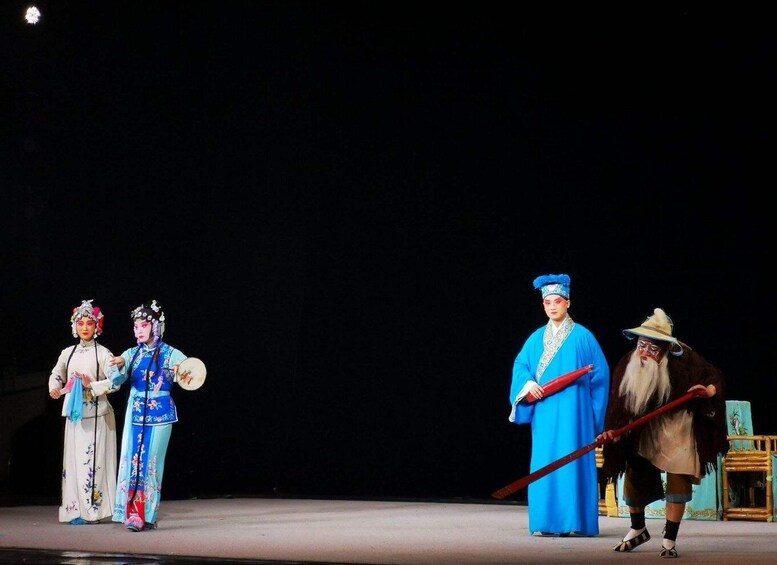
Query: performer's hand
[[56, 393], [608, 435], [709, 390], [86, 380], [118, 361], [536, 390]]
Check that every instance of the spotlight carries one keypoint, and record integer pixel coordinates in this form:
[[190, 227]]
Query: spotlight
[[32, 15]]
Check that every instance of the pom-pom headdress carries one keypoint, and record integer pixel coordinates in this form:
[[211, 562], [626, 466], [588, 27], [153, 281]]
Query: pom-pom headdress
[[152, 313], [86, 310], [659, 327], [553, 284]]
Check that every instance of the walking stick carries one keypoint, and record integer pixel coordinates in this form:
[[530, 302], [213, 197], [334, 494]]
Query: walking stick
[[547, 469]]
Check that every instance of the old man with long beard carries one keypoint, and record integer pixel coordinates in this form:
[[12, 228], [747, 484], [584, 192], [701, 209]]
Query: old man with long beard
[[684, 442]]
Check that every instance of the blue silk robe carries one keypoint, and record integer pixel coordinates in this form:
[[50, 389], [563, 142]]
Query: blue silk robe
[[148, 423], [566, 500]]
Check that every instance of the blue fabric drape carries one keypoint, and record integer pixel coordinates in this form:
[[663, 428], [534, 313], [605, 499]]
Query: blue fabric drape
[[75, 401]]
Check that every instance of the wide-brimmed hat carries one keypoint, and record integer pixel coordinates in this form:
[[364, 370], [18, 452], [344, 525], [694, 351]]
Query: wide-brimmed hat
[[659, 327]]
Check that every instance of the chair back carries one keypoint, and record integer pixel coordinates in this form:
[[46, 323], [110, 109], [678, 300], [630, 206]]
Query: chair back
[[739, 420]]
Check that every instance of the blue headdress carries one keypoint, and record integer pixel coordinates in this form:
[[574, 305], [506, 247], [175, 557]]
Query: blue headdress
[[553, 284]]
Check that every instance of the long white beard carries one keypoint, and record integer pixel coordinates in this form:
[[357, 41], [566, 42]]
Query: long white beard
[[642, 381]]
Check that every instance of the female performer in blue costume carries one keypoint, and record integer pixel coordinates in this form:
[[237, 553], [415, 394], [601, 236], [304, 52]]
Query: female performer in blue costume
[[567, 500], [151, 367]]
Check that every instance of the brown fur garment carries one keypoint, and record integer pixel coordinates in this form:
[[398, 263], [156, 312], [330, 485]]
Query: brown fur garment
[[709, 414]]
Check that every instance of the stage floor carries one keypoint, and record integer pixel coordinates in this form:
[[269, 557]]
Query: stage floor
[[269, 530]]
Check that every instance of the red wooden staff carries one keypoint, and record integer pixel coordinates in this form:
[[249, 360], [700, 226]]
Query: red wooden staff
[[560, 382], [547, 469]]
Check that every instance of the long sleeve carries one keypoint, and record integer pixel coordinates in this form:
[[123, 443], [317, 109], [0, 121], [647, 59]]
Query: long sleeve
[[58, 378], [524, 369], [104, 384]]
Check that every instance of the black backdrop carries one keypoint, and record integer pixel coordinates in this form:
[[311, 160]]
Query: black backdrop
[[342, 206]]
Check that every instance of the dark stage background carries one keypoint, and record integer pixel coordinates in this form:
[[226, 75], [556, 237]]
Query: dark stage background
[[342, 207]]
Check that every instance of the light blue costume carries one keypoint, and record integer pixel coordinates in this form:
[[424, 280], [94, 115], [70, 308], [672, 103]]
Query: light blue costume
[[567, 499], [148, 423]]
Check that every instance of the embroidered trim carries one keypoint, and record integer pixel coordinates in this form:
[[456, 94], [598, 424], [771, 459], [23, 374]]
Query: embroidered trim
[[551, 344]]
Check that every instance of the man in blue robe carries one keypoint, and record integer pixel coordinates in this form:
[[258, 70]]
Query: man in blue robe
[[566, 500]]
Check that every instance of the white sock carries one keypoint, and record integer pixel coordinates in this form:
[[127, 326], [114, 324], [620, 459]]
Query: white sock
[[668, 543], [632, 533]]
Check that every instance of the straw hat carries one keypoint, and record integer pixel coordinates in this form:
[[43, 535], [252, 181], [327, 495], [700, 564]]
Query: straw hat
[[659, 327]]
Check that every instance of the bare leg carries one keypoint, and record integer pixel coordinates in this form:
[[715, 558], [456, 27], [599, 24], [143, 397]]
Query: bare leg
[[675, 511], [674, 515]]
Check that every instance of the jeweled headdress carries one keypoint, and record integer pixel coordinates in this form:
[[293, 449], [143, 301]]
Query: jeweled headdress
[[152, 313], [86, 310]]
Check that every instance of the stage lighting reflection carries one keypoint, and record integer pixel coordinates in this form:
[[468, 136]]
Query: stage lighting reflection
[[32, 15]]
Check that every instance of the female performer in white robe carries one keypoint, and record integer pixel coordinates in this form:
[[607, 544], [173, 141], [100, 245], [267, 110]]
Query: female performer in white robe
[[89, 454]]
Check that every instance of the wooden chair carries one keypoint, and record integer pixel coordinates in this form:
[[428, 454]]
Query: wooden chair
[[749, 462], [608, 504]]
